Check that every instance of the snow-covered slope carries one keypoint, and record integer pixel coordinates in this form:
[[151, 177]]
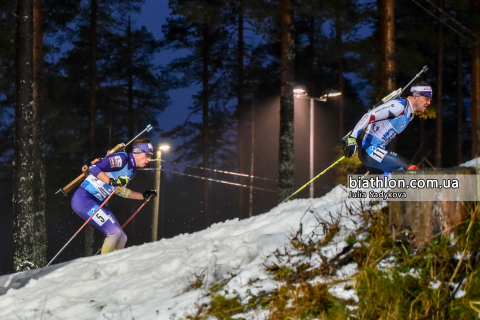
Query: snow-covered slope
[[148, 281], [472, 163]]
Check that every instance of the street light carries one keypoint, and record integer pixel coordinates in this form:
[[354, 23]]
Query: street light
[[156, 201], [300, 92], [329, 93]]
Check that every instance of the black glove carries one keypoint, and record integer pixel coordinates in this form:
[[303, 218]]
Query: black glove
[[349, 146], [149, 193], [121, 181]]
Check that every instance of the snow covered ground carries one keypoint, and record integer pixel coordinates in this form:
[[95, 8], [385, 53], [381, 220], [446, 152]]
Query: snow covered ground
[[472, 163], [149, 281]]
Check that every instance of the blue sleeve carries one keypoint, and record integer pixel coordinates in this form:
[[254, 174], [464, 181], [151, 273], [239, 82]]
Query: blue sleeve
[[113, 162]]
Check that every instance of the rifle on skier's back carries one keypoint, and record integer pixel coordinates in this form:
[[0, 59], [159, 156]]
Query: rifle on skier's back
[[397, 93], [85, 173], [393, 95]]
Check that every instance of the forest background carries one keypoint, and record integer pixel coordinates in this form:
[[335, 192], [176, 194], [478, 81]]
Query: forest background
[[99, 76]]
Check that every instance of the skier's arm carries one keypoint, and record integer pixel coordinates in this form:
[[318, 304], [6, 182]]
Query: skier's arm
[[114, 162], [135, 195], [103, 177], [389, 110]]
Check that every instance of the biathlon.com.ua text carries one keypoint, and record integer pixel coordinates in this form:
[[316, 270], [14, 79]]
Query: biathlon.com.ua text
[[415, 187], [379, 183]]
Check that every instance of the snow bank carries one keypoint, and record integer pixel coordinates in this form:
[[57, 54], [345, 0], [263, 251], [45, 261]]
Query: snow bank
[[148, 281], [472, 163]]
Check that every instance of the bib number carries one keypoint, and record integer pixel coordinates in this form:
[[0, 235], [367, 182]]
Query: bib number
[[100, 217], [378, 154]]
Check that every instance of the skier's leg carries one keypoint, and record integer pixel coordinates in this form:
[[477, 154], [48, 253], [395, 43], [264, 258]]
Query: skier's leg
[[114, 241], [383, 160], [84, 204]]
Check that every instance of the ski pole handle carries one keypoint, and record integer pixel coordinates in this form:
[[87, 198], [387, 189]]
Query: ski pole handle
[[88, 220]]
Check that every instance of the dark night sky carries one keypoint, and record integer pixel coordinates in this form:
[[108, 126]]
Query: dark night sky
[[154, 14]]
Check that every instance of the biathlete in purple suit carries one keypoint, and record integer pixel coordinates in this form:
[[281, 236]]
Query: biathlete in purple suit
[[115, 170]]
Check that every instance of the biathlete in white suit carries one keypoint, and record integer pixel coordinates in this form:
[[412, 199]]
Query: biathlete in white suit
[[383, 123], [115, 170]]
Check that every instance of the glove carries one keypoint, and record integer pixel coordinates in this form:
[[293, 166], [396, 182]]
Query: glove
[[149, 193], [121, 181], [349, 147]]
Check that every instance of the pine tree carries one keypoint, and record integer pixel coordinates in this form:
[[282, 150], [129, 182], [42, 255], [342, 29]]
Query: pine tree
[[23, 205], [287, 44], [39, 194], [475, 81], [199, 26], [386, 27]]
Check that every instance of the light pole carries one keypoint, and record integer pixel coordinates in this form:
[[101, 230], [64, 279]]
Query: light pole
[[156, 200], [301, 93]]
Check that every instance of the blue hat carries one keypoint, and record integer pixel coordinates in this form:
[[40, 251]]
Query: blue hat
[[142, 148]]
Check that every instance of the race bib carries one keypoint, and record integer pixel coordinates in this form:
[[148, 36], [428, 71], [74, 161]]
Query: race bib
[[378, 154], [100, 217]]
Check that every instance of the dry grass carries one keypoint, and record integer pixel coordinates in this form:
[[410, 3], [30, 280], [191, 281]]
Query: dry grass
[[403, 288]]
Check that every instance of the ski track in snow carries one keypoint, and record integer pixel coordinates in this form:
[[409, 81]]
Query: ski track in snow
[[148, 281]]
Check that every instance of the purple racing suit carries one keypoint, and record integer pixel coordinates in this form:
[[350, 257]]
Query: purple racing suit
[[91, 193]]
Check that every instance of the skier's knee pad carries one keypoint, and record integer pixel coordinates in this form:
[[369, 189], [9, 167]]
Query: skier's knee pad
[[121, 241], [114, 241]]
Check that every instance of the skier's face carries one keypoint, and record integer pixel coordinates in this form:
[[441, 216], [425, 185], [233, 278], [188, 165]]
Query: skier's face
[[421, 103], [142, 159]]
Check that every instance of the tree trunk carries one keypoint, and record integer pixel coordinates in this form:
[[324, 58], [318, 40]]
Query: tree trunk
[[240, 111], [439, 109], [475, 99], [205, 97], [252, 159], [23, 205], [39, 201], [421, 136], [89, 235], [475, 83], [387, 44], [341, 79], [287, 43], [131, 113], [459, 101], [387, 49]]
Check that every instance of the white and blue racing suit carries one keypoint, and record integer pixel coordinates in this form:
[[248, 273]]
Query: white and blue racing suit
[[382, 124]]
